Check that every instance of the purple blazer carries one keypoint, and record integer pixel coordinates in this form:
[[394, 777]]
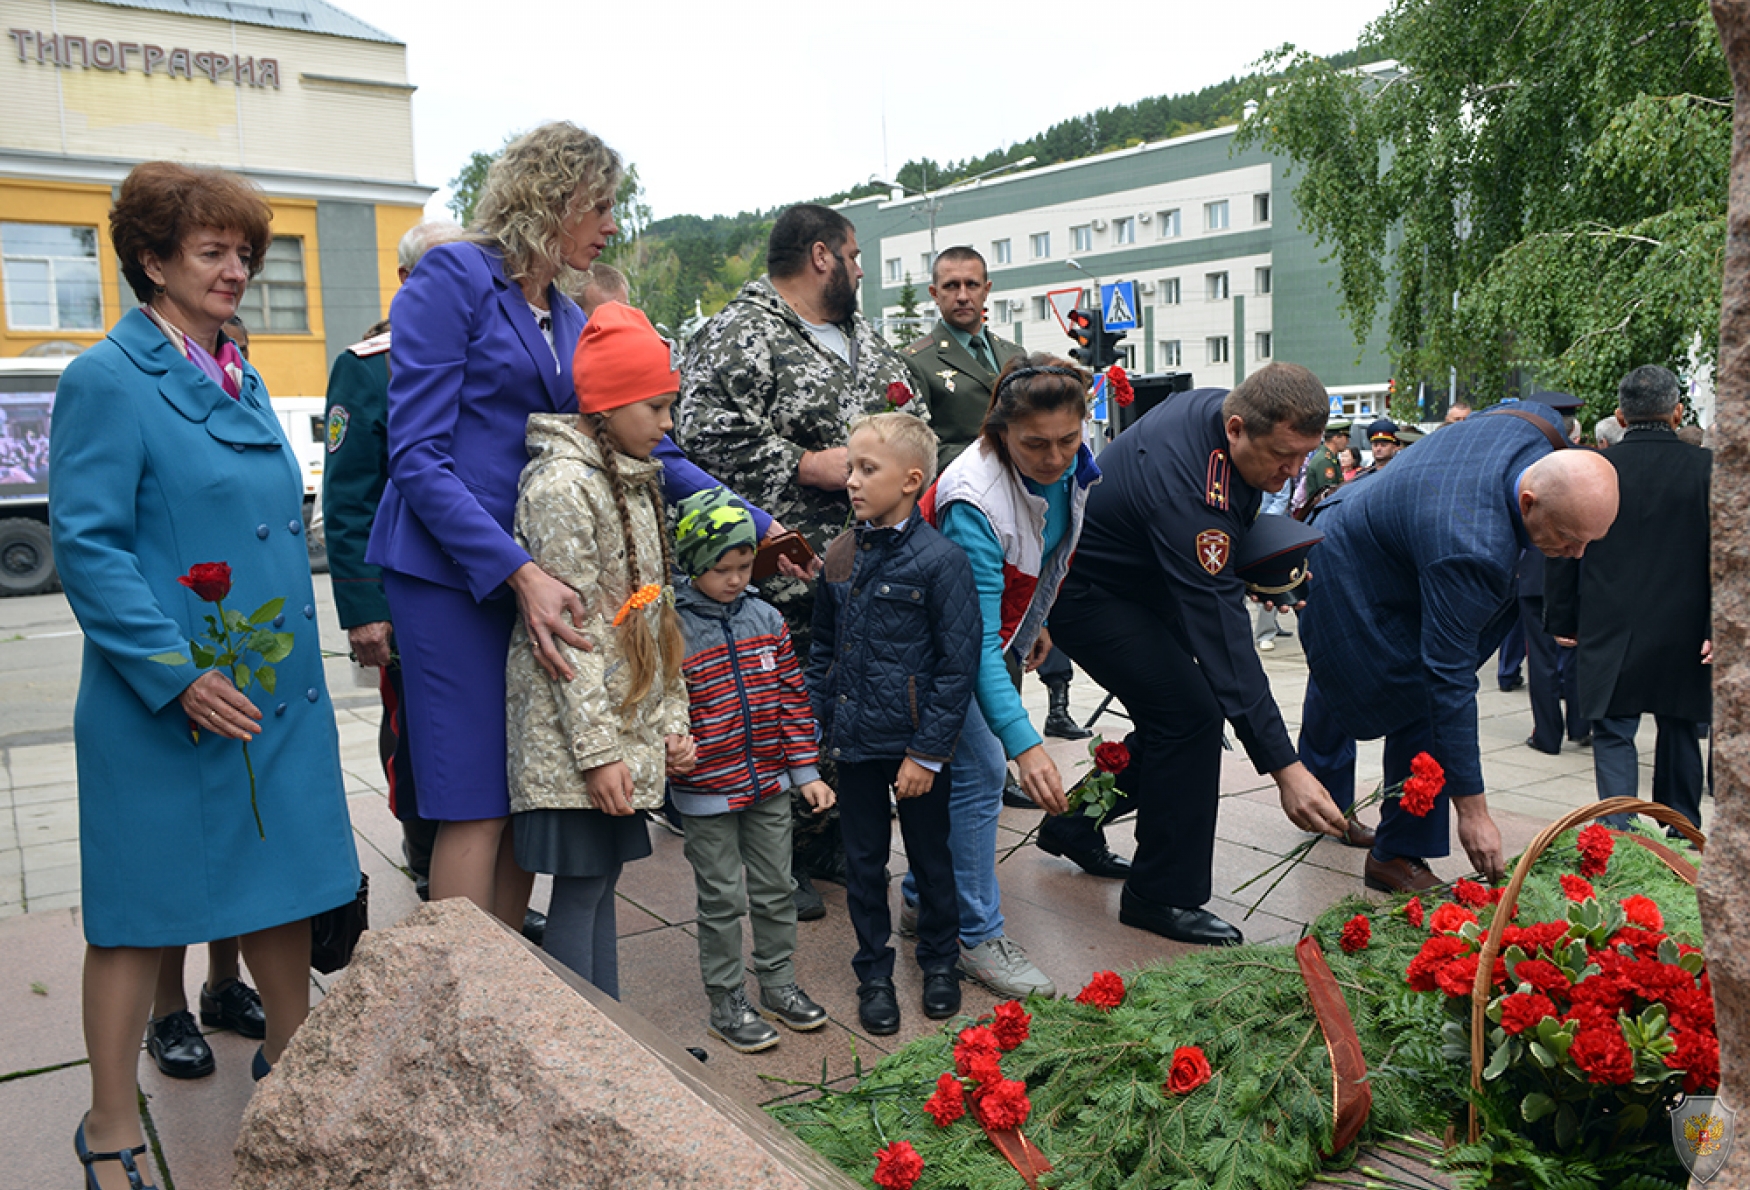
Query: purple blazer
[[467, 367]]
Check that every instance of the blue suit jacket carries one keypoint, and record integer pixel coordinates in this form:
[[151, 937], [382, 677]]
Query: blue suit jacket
[[1414, 584], [467, 366]]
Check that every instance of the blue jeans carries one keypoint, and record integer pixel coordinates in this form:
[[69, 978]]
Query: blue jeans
[[975, 800]]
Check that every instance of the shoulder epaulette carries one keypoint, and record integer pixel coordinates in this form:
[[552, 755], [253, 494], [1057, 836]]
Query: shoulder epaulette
[[1215, 485], [918, 345], [375, 345]]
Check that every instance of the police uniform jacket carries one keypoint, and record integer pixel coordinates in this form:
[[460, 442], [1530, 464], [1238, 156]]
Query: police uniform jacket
[[1641, 655], [1162, 528], [957, 385], [357, 469]]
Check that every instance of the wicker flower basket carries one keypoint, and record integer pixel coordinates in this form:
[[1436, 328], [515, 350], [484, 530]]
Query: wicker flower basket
[[1491, 947]]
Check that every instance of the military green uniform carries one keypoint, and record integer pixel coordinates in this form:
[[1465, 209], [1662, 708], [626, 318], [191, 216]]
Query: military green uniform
[[357, 468], [757, 391], [1323, 470], [957, 385]]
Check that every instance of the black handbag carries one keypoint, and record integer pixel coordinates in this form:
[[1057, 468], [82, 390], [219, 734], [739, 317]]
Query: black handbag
[[335, 933]]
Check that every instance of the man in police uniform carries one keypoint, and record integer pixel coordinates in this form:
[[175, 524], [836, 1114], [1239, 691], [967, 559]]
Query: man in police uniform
[[1154, 611], [956, 366]]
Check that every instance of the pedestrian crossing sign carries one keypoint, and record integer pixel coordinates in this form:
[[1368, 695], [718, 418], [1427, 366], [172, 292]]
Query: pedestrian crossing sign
[[1118, 303]]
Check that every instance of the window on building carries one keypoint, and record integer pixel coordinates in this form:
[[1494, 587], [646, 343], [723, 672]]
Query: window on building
[[51, 277], [1041, 245], [1172, 353], [1262, 277], [1167, 225], [1261, 208], [1127, 356], [895, 270], [1041, 309], [276, 301], [1261, 346], [1217, 348], [1081, 239], [926, 263], [1215, 216], [1004, 310], [1170, 291], [1215, 286], [1124, 231], [1001, 253]]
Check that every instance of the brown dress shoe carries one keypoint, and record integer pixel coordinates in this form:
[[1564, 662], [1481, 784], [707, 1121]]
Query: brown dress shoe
[[1399, 874], [1359, 834]]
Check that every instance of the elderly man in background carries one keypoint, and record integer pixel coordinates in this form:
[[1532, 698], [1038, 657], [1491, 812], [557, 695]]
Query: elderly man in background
[[1414, 587], [1638, 655]]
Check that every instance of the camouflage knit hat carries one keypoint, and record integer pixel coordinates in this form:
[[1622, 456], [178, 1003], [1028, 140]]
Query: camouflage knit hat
[[711, 523]]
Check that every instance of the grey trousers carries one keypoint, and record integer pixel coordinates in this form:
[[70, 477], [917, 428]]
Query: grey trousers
[[1677, 771], [741, 868]]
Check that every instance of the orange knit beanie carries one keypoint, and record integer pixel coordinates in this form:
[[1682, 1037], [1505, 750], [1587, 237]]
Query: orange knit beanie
[[621, 360]]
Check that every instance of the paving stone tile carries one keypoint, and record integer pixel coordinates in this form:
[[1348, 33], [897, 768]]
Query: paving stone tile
[[41, 764], [197, 1119], [52, 791], [46, 949], [44, 882], [38, 1116], [46, 822]]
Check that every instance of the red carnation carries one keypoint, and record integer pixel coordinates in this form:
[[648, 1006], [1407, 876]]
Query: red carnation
[[209, 580], [1690, 1008], [1105, 991], [1357, 932], [1122, 392], [1418, 796], [1698, 1056], [1190, 1070], [949, 1102], [1449, 917], [898, 394], [1595, 844], [1414, 913], [1002, 1104], [1012, 1025], [975, 1054], [1424, 765], [1643, 912], [1435, 953], [1601, 1052], [1577, 889], [1111, 757], [898, 1166], [1524, 1010], [1469, 892], [1543, 975], [1458, 977]]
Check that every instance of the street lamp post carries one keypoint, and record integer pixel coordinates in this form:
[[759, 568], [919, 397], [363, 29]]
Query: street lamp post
[[1076, 265], [932, 203]]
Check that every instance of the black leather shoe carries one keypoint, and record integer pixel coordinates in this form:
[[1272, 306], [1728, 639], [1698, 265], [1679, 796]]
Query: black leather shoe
[[1585, 741], [1058, 721], [1090, 853], [1511, 683], [1199, 927], [258, 1065], [1014, 796], [535, 926], [1531, 742], [810, 906], [878, 1007], [941, 995], [1400, 874], [176, 1045], [235, 1006]]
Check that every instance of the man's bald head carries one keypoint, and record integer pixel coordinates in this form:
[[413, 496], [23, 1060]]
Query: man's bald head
[[1568, 500]]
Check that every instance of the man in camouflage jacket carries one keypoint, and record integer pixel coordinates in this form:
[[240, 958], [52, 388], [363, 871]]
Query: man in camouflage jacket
[[771, 384]]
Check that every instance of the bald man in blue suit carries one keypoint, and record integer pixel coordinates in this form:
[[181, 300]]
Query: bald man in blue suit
[[1413, 588]]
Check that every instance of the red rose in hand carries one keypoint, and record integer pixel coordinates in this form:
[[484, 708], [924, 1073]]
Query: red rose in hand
[[1357, 932], [1111, 757], [898, 1166], [1002, 1104], [898, 394], [209, 580], [1104, 991], [1190, 1070], [1012, 1025], [948, 1103]]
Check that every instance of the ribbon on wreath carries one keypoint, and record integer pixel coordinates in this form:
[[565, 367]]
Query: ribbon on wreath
[[1021, 1153], [1351, 1094], [1680, 867]]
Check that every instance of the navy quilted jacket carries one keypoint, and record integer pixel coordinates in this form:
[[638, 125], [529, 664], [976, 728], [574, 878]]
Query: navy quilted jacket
[[895, 652]]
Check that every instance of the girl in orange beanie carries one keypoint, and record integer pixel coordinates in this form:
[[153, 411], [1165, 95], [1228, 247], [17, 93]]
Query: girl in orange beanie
[[585, 755]]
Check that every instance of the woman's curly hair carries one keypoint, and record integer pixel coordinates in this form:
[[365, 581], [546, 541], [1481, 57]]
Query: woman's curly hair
[[542, 178]]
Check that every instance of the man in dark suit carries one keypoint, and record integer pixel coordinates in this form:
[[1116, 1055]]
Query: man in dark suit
[[956, 366], [1414, 588], [1637, 654]]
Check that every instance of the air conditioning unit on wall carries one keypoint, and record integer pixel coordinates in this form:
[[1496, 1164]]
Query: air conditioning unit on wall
[[1146, 217], [1099, 225], [1147, 287]]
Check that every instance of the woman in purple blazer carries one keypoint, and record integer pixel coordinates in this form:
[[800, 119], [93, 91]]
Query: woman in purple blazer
[[483, 338]]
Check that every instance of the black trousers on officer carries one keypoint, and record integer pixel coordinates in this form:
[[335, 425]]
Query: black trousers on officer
[[1141, 656], [1553, 678], [419, 835], [868, 830]]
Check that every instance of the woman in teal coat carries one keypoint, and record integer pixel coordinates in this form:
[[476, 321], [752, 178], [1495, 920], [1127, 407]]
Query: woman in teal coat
[[164, 454]]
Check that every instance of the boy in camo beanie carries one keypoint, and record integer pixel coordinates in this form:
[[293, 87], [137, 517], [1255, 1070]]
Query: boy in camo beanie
[[710, 524]]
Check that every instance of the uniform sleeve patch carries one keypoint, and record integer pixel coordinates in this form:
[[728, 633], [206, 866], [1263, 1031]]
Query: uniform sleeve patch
[[338, 421], [1213, 547]]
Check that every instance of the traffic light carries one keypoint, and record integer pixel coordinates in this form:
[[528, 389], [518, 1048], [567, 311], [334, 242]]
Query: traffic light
[[1106, 348], [1096, 347]]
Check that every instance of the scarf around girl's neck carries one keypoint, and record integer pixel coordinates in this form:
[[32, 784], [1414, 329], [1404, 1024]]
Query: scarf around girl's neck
[[226, 371]]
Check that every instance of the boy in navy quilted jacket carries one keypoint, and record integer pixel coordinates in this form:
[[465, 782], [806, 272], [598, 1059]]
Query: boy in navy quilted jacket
[[755, 738], [891, 673]]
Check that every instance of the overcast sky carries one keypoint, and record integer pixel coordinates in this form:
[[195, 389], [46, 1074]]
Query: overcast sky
[[731, 107]]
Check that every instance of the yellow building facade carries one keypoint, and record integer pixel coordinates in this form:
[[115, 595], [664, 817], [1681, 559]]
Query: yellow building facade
[[307, 102]]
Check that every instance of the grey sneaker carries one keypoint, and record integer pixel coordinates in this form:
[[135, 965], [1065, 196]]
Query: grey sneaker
[[1002, 966], [735, 1023], [908, 918], [791, 1005]]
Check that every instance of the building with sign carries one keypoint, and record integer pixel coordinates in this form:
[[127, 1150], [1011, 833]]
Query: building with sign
[[1225, 279], [308, 102]]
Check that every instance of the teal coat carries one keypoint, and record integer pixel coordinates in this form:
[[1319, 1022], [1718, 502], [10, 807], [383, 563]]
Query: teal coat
[[153, 468]]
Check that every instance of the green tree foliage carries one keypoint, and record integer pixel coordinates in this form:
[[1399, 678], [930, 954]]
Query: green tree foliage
[[1561, 168], [905, 330], [465, 187]]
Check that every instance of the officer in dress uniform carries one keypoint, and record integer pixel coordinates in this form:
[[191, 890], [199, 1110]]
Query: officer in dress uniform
[[956, 366]]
